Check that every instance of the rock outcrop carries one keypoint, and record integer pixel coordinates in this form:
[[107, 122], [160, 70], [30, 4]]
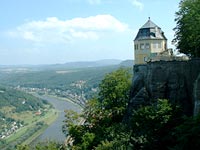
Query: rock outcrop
[[177, 81]]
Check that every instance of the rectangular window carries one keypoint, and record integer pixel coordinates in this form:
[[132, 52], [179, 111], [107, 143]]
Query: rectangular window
[[157, 45], [136, 46], [142, 46], [147, 46]]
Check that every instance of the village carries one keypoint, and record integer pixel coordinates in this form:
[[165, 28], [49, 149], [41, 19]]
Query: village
[[10, 128], [76, 94]]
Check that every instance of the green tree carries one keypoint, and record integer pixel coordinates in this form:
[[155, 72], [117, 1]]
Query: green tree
[[115, 91], [187, 134], [71, 118], [47, 145], [23, 147], [103, 114], [187, 30], [152, 126]]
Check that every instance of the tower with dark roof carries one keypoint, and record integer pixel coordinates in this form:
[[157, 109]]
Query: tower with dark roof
[[149, 42]]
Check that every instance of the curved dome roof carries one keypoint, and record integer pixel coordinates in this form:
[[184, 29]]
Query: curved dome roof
[[150, 31]]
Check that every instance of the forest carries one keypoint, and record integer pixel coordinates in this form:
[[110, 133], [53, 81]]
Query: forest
[[20, 101]]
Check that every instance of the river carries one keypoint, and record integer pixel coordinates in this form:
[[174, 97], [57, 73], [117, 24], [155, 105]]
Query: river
[[54, 131]]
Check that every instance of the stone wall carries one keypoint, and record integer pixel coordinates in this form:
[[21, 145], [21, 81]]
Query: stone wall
[[178, 81]]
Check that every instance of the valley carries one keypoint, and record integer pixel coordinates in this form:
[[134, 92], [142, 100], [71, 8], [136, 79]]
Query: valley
[[23, 120], [22, 117]]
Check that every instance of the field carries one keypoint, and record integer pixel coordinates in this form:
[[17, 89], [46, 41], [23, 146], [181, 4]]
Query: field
[[34, 125]]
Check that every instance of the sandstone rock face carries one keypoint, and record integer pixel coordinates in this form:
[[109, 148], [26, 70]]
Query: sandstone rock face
[[177, 81]]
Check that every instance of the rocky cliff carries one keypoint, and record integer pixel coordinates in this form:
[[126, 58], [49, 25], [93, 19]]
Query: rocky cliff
[[177, 81]]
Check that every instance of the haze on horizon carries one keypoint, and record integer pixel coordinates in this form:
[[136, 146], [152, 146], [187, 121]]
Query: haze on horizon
[[52, 32]]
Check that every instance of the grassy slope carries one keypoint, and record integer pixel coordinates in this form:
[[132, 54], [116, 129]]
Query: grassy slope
[[48, 118], [33, 125]]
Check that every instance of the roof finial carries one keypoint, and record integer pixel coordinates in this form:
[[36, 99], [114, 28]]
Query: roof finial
[[149, 18]]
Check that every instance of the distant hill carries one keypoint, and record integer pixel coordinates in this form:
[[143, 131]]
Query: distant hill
[[68, 65], [127, 63], [99, 63]]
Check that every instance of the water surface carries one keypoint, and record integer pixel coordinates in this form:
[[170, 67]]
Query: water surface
[[54, 131]]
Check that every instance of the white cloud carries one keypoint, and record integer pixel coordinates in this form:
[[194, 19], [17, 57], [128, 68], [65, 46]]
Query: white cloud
[[137, 4], [53, 30], [94, 1]]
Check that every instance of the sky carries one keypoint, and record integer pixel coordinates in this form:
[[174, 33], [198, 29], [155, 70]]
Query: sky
[[59, 31]]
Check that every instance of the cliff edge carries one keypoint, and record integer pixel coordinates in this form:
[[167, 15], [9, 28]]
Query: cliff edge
[[177, 81]]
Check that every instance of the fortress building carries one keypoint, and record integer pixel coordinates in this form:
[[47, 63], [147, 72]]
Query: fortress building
[[149, 43]]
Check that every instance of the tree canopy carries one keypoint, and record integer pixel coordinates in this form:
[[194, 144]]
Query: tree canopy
[[102, 114], [187, 30]]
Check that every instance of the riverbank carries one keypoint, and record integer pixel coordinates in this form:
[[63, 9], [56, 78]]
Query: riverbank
[[34, 126], [40, 128], [48, 120], [63, 99], [54, 130]]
